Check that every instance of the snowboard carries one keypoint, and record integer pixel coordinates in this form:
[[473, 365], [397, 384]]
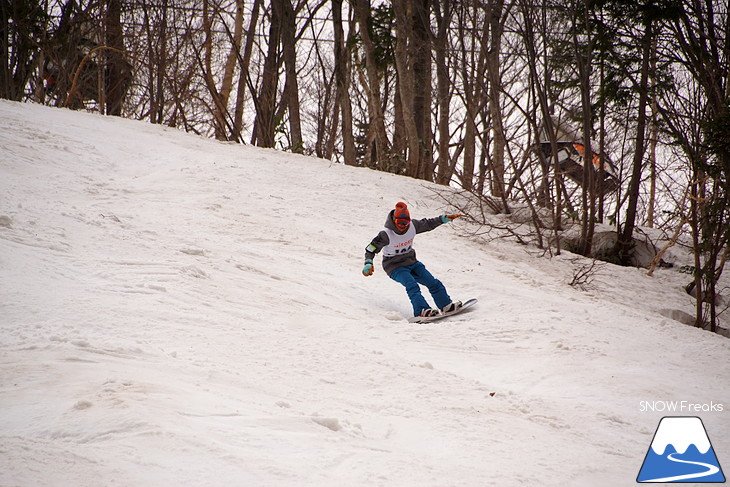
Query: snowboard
[[467, 306]]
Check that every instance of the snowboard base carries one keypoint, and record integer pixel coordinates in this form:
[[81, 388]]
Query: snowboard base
[[466, 306]]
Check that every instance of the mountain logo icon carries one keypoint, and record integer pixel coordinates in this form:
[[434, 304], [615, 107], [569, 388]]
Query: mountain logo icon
[[680, 452]]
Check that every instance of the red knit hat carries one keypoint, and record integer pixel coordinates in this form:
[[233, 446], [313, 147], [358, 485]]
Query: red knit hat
[[401, 212], [401, 217]]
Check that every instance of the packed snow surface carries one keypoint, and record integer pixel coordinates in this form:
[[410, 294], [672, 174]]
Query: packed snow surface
[[180, 311]]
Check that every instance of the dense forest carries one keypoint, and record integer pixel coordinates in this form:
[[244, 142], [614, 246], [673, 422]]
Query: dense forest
[[574, 112]]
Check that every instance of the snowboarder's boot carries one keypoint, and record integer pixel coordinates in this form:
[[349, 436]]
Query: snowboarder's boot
[[451, 307], [429, 312]]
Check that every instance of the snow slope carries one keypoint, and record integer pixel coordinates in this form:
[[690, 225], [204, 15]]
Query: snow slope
[[179, 311]]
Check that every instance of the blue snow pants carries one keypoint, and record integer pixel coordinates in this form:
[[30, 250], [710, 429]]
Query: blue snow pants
[[413, 275]]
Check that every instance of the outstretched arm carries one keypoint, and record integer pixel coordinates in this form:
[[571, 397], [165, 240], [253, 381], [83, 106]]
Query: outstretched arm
[[428, 224]]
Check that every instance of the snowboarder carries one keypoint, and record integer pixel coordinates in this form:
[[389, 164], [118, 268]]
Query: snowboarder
[[400, 263]]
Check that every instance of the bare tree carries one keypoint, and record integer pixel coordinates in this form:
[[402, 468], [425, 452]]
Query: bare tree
[[155, 53], [377, 135], [244, 61], [284, 11], [700, 47], [265, 123], [405, 62], [495, 17], [471, 66], [443, 11], [584, 62], [342, 77], [23, 27], [118, 70], [225, 129], [624, 243]]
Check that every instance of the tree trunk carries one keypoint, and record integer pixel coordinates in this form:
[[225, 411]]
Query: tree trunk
[[156, 41], [443, 10], [291, 85], [117, 69], [652, 144], [375, 110], [584, 55], [206, 65], [624, 243], [406, 82], [244, 78], [6, 77], [494, 77], [265, 122], [342, 77], [224, 94], [421, 52], [541, 88]]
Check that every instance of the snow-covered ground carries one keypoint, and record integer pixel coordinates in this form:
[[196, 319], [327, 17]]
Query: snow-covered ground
[[180, 311]]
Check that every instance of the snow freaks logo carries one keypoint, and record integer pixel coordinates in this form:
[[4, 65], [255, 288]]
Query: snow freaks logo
[[680, 452]]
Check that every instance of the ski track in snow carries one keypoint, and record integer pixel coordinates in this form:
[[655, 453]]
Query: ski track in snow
[[178, 311]]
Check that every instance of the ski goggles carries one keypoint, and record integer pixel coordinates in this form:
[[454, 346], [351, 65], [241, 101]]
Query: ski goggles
[[402, 222]]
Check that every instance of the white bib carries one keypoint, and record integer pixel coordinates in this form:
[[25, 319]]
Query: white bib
[[399, 244]]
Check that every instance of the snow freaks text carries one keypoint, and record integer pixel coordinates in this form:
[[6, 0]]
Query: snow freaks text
[[680, 407]]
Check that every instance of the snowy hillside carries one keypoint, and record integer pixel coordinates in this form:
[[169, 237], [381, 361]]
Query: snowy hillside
[[179, 311]]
